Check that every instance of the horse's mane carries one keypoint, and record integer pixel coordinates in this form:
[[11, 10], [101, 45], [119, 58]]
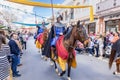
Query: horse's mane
[[68, 34]]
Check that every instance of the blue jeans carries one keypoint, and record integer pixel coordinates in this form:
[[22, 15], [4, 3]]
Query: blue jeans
[[90, 51], [97, 50], [14, 64], [53, 43], [18, 59]]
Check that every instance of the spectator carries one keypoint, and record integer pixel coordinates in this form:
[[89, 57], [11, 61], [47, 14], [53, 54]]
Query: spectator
[[79, 47], [15, 51], [115, 37], [20, 53], [4, 64], [25, 38], [100, 40], [96, 46], [90, 47], [92, 35]]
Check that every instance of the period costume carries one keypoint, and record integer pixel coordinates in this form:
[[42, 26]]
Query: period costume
[[56, 30], [59, 29]]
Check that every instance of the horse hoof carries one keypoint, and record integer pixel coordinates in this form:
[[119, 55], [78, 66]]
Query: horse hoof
[[42, 56], [58, 74], [38, 51], [68, 78], [116, 73], [57, 71], [45, 58], [51, 63]]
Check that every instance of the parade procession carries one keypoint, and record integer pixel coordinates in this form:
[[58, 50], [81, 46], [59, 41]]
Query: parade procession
[[59, 40]]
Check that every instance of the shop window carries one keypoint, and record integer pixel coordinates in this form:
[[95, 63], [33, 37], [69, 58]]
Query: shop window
[[91, 27]]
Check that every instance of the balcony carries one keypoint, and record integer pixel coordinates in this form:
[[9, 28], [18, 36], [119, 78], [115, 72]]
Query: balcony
[[108, 5]]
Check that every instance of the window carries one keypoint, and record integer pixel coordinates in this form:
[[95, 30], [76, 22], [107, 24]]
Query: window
[[86, 1]]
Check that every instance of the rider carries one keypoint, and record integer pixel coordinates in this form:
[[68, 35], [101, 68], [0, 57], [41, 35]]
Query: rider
[[59, 29], [41, 28]]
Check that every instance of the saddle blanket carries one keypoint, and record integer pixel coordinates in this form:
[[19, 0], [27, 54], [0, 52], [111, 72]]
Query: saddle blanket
[[61, 51], [40, 38]]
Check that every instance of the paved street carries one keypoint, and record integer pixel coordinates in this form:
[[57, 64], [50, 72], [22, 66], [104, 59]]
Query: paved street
[[89, 68]]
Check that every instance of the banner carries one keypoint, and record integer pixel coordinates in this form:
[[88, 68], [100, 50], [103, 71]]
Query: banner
[[29, 24], [46, 5]]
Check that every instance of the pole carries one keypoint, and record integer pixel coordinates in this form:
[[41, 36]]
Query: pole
[[35, 18], [52, 10]]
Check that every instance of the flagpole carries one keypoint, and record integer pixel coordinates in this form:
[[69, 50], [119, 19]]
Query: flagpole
[[52, 10], [35, 18]]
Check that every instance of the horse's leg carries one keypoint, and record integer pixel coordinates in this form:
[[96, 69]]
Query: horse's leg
[[117, 68], [69, 68], [62, 73], [56, 69], [51, 62]]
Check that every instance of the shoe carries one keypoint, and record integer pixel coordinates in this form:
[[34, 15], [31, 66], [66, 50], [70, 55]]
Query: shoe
[[90, 55], [17, 71], [17, 75], [19, 65]]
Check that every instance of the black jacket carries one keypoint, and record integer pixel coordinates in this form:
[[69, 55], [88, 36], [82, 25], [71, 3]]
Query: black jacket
[[14, 47]]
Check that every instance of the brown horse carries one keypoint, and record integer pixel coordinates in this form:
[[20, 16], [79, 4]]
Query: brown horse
[[115, 56], [42, 38], [78, 32]]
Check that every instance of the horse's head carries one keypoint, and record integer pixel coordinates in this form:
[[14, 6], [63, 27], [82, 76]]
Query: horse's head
[[45, 33], [81, 33]]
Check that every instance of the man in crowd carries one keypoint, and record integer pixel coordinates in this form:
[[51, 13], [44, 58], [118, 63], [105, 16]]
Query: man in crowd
[[15, 50]]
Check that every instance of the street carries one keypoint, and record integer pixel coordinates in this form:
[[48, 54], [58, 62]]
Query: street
[[88, 68]]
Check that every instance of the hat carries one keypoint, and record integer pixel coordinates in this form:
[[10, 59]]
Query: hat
[[60, 17]]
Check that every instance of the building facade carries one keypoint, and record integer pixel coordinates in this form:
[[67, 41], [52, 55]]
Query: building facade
[[71, 16], [109, 15]]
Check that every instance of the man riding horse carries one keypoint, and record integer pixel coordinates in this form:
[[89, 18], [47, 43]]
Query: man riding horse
[[40, 29], [41, 36], [64, 47], [57, 30]]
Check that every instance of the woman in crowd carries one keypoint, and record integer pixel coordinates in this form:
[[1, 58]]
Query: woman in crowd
[[100, 40], [4, 64]]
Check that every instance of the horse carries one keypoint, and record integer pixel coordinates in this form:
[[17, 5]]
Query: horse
[[41, 39], [115, 56], [65, 49]]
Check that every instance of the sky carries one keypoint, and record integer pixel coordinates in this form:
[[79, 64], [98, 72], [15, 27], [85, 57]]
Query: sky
[[45, 11], [28, 18]]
